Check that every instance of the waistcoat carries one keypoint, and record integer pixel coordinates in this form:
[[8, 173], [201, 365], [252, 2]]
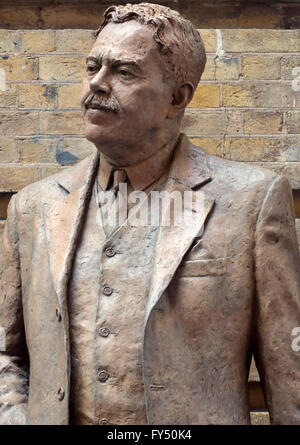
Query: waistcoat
[[107, 298]]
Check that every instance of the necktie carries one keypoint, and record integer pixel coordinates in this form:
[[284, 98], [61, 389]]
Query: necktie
[[118, 206], [120, 176]]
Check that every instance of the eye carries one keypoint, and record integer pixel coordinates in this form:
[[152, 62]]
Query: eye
[[91, 69], [125, 73]]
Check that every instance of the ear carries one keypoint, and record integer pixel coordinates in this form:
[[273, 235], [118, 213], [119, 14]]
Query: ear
[[181, 97]]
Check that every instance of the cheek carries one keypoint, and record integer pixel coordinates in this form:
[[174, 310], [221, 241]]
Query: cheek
[[147, 101], [85, 90]]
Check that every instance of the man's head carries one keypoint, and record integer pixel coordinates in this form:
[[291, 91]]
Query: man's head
[[141, 73]]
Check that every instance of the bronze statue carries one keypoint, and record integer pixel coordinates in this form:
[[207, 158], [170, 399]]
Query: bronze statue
[[148, 323]]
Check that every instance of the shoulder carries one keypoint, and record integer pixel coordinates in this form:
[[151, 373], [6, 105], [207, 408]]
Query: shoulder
[[48, 189], [239, 180], [237, 176]]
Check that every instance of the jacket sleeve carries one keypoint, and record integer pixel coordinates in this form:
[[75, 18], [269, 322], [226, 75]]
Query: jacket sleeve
[[13, 352], [277, 270]]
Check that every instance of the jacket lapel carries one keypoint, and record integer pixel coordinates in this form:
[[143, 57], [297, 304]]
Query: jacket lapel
[[188, 172], [64, 219]]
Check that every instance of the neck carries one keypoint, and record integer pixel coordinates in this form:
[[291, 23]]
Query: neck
[[144, 171], [123, 163]]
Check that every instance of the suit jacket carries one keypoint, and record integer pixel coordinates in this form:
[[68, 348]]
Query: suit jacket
[[218, 295]]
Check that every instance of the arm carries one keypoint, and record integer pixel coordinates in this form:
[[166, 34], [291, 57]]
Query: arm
[[277, 269], [13, 352]]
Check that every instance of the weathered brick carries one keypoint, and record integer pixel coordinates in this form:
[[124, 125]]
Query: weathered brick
[[68, 122], [74, 41], [263, 122], [260, 41], [234, 124], [212, 146], [209, 39], [206, 96], [261, 67], [210, 69], [292, 149], [8, 40], [293, 121], [292, 172], [37, 150], [253, 149], [8, 150], [237, 95], [19, 67], [259, 16], [222, 16], [275, 152], [70, 150], [69, 96], [227, 68], [22, 16], [260, 418], [17, 123], [37, 96], [62, 68], [8, 98], [62, 151], [264, 94], [253, 373], [204, 123], [80, 16], [15, 177], [36, 41], [288, 63], [48, 171]]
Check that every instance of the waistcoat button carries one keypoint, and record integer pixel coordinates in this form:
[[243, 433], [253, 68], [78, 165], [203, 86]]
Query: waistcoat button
[[107, 290], [104, 332], [102, 375], [61, 394], [110, 251], [103, 422], [58, 314]]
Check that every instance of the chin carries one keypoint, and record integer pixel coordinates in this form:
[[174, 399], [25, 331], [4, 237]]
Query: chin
[[98, 138]]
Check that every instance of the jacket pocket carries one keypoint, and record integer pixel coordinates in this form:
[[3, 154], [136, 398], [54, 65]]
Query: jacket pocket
[[199, 268]]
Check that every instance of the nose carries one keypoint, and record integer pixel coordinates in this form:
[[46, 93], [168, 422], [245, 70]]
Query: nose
[[100, 83]]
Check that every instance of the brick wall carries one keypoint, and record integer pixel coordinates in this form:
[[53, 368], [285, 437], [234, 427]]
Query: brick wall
[[244, 109]]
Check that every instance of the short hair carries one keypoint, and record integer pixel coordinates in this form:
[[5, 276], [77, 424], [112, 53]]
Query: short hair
[[176, 37]]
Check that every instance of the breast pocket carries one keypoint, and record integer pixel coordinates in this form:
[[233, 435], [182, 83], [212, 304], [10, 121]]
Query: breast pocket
[[201, 268]]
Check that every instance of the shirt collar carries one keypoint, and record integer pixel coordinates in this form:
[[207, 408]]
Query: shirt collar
[[141, 174]]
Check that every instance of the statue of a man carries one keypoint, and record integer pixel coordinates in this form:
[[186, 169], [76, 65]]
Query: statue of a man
[[118, 323]]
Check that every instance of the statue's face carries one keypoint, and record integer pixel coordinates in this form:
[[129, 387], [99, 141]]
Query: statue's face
[[125, 99]]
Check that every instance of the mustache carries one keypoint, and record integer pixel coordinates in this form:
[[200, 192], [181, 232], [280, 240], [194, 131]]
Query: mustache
[[102, 103]]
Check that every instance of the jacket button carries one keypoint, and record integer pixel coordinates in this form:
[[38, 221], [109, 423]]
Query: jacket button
[[102, 375], [107, 290], [61, 394], [103, 422], [104, 332], [110, 251], [58, 314]]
